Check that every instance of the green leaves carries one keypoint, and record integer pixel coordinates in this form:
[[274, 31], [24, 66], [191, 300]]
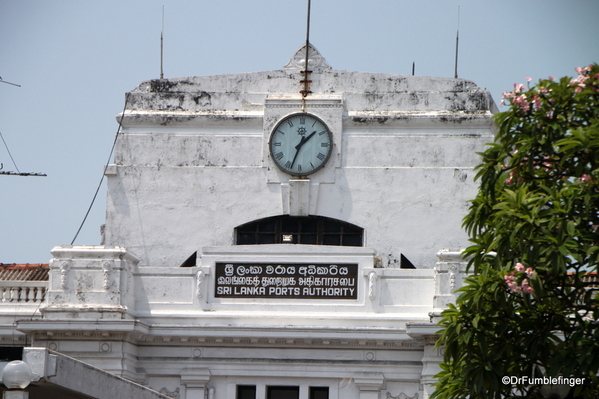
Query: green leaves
[[538, 205]]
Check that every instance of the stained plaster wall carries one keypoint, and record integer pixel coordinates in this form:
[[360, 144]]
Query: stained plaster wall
[[192, 162]]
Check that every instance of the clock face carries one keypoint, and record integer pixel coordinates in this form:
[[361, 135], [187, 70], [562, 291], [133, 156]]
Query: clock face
[[300, 144]]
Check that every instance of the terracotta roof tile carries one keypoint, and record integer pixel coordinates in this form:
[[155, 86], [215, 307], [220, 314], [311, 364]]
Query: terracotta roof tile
[[24, 272]]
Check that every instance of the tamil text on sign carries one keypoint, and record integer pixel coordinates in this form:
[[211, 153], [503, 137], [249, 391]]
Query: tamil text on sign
[[302, 281]]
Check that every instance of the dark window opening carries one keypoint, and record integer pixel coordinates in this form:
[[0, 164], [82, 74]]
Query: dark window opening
[[191, 261], [314, 230], [10, 353], [246, 392], [282, 392], [405, 263], [319, 393]]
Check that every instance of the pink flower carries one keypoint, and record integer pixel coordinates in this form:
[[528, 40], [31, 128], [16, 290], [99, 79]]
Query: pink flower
[[580, 81], [505, 97], [511, 280], [529, 271], [586, 178], [518, 87], [526, 287], [512, 177], [519, 267], [528, 79], [550, 77], [522, 102]]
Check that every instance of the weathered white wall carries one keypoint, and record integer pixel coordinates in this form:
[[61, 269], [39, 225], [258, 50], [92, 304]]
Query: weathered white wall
[[192, 161]]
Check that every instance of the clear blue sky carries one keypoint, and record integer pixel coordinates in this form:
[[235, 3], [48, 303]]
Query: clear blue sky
[[76, 59]]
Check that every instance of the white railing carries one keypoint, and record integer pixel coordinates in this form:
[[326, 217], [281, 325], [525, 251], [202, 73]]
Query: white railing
[[23, 292]]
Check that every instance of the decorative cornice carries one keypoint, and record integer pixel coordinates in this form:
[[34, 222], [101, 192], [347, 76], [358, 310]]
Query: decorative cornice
[[329, 101], [84, 309], [446, 255], [401, 396], [214, 341], [280, 342], [10, 340], [423, 332], [93, 252], [166, 335]]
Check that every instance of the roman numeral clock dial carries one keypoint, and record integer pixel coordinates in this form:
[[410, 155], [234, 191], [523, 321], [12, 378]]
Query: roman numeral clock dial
[[300, 144]]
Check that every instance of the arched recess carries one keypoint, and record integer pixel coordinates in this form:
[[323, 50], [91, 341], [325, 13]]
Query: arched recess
[[309, 230]]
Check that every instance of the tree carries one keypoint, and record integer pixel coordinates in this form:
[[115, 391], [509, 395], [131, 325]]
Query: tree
[[528, 309]]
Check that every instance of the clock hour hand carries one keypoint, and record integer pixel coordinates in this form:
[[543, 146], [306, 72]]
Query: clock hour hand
[[299, 145]]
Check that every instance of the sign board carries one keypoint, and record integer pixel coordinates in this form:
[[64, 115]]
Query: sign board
[[288, 280]]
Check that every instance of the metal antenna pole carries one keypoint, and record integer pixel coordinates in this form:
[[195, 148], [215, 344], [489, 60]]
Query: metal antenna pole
[[306, 72], [8, 83], [307, 32], [457, 40], [162, 45], [18, 172]]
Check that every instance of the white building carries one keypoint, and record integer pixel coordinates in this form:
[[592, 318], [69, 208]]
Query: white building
[[272, 238]]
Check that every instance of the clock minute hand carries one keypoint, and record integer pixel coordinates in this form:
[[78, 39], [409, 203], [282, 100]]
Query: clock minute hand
[[299, 145], [304, 139]]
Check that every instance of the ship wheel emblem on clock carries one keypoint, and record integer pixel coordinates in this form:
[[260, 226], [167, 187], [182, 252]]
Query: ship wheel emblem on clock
[[300, 144]]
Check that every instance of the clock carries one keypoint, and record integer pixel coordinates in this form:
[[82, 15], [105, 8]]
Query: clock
[[300, 144]]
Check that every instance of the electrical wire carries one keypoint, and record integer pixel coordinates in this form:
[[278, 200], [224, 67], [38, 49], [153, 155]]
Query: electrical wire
[[105, 167]]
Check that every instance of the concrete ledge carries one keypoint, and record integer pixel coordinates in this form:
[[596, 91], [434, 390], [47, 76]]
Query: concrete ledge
[[55, 375]]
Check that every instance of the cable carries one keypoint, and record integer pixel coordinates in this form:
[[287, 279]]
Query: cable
[[6, 145], [105, 167]]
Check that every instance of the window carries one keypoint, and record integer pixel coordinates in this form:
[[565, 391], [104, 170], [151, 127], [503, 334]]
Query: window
[[285, 229], [282, 392], [246, 392], [319, 393]]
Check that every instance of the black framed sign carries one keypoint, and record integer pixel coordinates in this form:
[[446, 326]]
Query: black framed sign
[[286, 280]]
